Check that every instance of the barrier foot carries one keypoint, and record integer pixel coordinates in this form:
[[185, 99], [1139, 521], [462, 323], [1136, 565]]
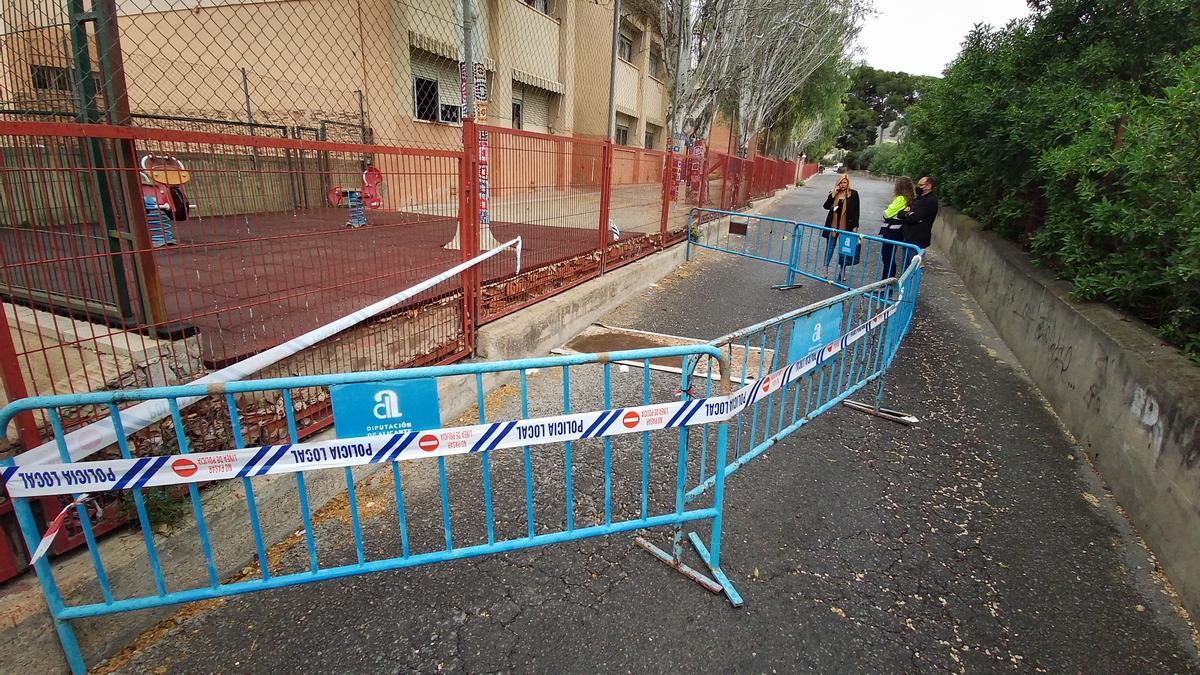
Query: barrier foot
[[668, 560], [735, 598], [787, 287], [885, 413]]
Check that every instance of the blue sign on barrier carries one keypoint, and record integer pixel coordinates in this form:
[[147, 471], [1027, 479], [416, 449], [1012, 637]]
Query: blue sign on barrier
[[813, 331], [373, 408], [847, 246]]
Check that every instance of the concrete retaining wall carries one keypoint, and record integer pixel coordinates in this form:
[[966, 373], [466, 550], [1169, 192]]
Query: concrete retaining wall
[[1131, 401]]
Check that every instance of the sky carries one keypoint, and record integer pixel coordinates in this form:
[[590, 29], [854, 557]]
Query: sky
[[923, 36]]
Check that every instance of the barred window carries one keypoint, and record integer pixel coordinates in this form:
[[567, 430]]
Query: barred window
[[51, 78], [436, 92], [425, 99], [517, 113]]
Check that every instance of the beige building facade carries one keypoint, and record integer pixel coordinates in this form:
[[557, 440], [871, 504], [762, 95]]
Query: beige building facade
[[391, 65]]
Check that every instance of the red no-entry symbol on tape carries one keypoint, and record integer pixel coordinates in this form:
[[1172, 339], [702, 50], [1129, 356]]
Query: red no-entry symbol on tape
[[183, 467], [428, 443], [631, 419]]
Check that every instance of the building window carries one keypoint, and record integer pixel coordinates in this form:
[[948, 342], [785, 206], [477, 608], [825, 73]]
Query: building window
[[625, 48], [622, 135], [542, 6], [50, 78], [517, 110], [436, 93], [425, 99], [533, 107], [651, 141], [655, 64]]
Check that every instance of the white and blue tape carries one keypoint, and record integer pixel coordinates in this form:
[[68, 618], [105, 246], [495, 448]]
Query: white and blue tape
[[126, 474]]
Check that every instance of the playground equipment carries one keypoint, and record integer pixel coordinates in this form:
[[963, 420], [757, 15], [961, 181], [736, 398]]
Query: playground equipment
[[163, 178], [368, 197]]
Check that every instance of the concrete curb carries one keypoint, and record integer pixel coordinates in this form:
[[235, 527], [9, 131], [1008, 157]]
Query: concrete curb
[[29, 642], [1131, 401]]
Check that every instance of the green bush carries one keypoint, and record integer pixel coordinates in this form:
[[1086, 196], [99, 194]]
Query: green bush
[[1075, 132], [884, 158], [860, 160]]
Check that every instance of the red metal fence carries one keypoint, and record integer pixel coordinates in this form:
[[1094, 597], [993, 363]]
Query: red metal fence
[[95, 295], [722, 181], [92, 301]]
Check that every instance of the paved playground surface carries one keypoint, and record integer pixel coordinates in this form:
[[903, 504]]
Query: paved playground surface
[[247, 282], [977, 540]]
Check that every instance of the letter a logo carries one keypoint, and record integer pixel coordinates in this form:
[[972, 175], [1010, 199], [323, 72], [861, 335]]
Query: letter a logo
[[387, 405]]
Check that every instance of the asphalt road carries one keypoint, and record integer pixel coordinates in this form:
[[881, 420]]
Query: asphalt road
[[978, 540]]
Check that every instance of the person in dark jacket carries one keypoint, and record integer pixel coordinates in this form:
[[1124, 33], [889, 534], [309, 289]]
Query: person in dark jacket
[[917, 220], [842, 205]]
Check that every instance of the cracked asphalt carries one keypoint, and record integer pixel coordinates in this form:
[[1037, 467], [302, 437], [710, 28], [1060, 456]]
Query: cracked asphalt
[[978, 540]]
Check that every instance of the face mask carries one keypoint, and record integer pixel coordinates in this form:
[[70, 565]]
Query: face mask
[[919, 191]]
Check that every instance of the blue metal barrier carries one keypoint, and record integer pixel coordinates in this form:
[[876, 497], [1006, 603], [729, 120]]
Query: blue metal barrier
[[749, 235], [756, 351], [803, 249], [633, 467]]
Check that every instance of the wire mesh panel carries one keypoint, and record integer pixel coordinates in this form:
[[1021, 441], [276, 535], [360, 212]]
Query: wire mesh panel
[[231, 248], [635, 207], [547, 190], [382, 70]]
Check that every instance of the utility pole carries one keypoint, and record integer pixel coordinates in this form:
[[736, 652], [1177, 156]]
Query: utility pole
[[684, 32], [468, 68], [612, 73]]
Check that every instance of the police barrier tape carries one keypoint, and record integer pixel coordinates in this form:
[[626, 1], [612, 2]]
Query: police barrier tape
[[144, 472]]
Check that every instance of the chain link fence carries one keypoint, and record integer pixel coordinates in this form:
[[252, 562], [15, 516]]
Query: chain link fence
[[247, 172]]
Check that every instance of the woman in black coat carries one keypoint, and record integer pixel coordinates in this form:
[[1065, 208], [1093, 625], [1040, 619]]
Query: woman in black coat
[[842, 205]]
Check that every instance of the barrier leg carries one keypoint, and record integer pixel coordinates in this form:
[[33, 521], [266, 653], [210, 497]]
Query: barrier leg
[[876, 407], [713, 559], [878, 410], [674, 559], [678, 565]]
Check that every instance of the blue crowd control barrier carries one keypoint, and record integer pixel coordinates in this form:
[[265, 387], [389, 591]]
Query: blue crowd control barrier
[[803, 336], [621, 474], [596, 466]]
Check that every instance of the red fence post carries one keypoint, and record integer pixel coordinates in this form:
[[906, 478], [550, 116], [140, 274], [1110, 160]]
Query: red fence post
[[669, 182], [728, 164], [605, 203], [468, 229], [14, 385]]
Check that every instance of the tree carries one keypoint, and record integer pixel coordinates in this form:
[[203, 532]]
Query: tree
[[779, 45], [698, 43], [860, 128], [1074, 131], [877, 98], [808, 120], [752, 54]]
